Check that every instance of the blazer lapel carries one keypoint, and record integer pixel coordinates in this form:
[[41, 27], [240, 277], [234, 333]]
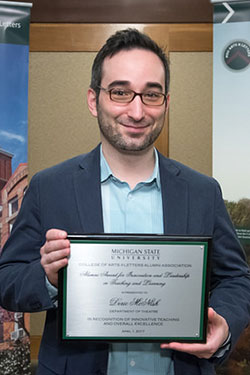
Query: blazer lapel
[[88, 193], [174, 198]]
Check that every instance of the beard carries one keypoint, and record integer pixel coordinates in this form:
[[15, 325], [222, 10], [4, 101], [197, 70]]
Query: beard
[[134, 142]]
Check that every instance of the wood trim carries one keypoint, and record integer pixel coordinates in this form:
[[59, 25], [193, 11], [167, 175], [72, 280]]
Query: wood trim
[[34, 346], [52, 37], [122, 11], [162, 142]]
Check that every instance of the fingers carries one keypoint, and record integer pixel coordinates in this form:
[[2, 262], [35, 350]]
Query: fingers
[[199, 350], [54, 254], [211, 314], [216, 335], [55, 234]]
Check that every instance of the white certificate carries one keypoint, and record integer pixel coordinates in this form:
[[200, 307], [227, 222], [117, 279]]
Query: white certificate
[[144, 288]]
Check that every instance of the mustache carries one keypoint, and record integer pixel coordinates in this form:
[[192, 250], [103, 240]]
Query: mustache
[[126, 121]]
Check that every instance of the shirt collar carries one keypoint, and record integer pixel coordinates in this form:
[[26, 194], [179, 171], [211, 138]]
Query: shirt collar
[[106, 172]]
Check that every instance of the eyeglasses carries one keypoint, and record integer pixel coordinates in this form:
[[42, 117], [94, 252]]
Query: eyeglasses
[[152, 98]]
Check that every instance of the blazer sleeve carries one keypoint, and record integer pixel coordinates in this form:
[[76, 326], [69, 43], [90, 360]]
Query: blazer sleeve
[[230, 280], [22, 278]]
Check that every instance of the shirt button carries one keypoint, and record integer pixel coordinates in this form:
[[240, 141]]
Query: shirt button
[[132, 363]]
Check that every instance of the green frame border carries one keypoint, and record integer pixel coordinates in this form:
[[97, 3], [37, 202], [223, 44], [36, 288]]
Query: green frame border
[[204, 294]]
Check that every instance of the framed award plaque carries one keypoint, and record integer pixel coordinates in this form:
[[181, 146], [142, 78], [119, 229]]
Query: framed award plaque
[[135, 288]]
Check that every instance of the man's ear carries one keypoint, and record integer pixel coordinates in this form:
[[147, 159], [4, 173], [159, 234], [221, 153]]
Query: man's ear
[[167, 102], [91, 99]]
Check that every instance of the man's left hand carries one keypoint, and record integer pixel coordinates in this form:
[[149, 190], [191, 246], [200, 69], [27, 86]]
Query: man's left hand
[[217, 334]]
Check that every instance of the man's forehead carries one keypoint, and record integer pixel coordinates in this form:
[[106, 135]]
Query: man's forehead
[[130, 64]]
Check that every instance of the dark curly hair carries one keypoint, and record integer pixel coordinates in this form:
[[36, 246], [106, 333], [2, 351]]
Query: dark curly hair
[[125, 40]]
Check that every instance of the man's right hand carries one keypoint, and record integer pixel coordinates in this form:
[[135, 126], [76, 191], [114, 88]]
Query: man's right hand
[[54, 254]]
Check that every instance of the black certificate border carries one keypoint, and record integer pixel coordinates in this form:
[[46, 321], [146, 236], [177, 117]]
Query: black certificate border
[[205, 241]]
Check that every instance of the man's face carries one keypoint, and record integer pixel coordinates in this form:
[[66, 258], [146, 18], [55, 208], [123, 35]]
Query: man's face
[[130, 126]]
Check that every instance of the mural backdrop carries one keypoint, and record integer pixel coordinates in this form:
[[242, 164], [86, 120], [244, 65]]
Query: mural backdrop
[[14, 58], [231, 133]]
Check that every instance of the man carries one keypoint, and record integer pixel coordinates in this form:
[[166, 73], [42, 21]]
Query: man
[[92, 193]]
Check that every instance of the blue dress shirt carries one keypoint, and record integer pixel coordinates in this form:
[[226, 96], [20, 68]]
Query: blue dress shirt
[[134, 211]]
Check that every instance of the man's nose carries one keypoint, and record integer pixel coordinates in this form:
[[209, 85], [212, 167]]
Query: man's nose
[[136, 109]]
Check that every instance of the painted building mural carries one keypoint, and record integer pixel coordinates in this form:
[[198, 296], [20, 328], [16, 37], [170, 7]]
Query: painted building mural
[[231, 132], [14, 53]]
